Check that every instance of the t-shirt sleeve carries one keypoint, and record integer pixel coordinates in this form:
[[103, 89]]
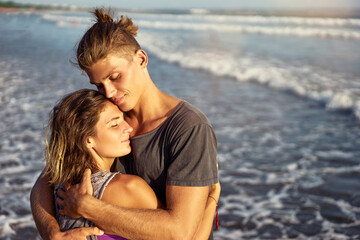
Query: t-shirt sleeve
[[193, 158]]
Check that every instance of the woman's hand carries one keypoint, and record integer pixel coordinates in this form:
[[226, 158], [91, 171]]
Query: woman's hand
[[214, 192]]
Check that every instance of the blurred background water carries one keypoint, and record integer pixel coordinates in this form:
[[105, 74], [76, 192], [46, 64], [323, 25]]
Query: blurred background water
[[283, 95]]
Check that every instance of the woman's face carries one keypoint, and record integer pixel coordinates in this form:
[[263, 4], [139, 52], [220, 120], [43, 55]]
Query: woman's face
[[112, 133]]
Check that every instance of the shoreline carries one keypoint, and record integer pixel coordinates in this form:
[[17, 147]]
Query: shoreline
[[5, 10], [271, 12]]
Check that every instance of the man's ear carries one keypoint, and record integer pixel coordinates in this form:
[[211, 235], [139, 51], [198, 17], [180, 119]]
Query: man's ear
[[141, 58], [89, 142]]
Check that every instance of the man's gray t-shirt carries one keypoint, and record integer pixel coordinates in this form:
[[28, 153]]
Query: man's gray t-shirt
[[181, 152]]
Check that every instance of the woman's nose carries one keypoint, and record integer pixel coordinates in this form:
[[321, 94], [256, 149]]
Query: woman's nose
[[128, 129]]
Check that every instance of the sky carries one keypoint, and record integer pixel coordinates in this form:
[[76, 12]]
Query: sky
[[208, 4]]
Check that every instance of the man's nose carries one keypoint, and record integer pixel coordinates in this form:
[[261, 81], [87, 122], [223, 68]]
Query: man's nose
[[109, 90]]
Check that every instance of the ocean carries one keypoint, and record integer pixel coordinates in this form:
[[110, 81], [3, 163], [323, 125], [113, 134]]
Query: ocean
[[282, 93]]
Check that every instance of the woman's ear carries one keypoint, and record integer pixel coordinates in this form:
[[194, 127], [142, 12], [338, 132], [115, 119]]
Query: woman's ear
[[90, 142], [141, 58]]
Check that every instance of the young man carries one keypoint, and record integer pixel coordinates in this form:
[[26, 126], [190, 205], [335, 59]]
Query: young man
[[174, 146]]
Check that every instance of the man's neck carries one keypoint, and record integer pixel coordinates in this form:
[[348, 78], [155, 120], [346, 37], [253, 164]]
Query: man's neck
[[152, 110]]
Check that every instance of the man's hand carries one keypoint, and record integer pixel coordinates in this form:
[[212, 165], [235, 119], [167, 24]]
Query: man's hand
[[71, 199], [77, 234]]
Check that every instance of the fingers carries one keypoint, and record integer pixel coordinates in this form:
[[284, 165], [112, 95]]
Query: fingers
[[61, 193], [86, 177], [60, 202], [91, 231], [215, 190], [69, 214], [85, 185], [81, 233], [67, 186], [62, 212], [215, 186]]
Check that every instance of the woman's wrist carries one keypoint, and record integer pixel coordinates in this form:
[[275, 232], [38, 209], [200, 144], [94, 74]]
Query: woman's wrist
[[213, 198]]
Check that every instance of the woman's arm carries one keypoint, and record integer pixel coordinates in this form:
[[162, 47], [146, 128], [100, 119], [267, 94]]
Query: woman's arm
[[208, 218], [130, 191]]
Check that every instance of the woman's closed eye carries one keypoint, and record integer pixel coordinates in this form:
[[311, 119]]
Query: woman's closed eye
[[115, 123]]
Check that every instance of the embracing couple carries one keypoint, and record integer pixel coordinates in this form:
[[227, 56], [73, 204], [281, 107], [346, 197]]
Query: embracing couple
[[173, 189]]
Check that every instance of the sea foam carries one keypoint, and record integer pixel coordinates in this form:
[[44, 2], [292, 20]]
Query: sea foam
[[334, 89]]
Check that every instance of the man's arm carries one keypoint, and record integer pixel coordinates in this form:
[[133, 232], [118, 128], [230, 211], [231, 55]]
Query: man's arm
[[185, 209], [43, 210]]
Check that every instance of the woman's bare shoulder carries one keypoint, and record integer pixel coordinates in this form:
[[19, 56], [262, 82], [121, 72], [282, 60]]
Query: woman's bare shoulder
[[129, 191]]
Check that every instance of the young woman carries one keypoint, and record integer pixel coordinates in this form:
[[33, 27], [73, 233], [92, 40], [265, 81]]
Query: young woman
[[87, 131]]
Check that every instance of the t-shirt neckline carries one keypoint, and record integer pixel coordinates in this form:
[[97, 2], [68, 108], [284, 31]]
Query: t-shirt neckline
[[163, 123]]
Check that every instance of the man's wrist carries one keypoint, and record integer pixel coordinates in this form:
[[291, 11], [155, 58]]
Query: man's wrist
[[84, 206]]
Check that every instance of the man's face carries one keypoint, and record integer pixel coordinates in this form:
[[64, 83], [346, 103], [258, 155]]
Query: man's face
[[118, 79]]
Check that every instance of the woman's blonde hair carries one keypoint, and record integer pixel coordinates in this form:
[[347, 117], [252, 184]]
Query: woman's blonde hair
[[107, 36], [71, 121]]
